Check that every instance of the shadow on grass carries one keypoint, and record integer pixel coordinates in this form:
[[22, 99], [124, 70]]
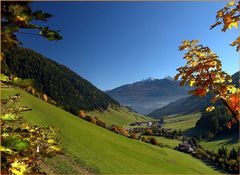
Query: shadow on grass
[[193, 131], [227, 139]]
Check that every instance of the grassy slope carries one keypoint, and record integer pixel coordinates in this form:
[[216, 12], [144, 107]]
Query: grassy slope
[[170, 142], [215, 143], [184, 122], [102, 150], [120, 116]]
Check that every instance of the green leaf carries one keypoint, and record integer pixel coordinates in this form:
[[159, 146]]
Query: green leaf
[[4, 78], [40, 15], [9, 117], [21, 145], [15, 143], [50, 34]]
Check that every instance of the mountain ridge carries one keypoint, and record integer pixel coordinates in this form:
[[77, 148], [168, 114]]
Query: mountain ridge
[[148, 94]]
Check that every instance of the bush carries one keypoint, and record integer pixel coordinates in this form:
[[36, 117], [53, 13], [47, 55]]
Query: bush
[[101, 123], [144, 139], [93, 120], [134, 136], [119, 130], [82, 114], [153, 141]]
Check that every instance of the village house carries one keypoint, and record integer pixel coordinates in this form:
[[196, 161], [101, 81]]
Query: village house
[[186, 147], [141, 124]]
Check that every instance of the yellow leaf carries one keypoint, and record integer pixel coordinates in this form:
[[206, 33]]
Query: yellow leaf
[[55, 148], [18, 168], [231, 89], [6, 150], [233, 24], [191, 83], [51, 141], [210, 108], [230, 3], [21, 18]]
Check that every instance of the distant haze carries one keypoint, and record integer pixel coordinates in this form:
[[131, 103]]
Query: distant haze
[[149, 94]]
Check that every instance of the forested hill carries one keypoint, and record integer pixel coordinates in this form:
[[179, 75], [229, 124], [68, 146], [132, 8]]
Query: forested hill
[[61, 84]]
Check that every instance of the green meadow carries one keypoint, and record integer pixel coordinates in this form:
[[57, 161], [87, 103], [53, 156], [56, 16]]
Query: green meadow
[[214, 144], [120, 116], [90, 148], [183, 122], [167, 141]]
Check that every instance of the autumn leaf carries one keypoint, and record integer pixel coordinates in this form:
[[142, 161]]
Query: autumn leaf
[[21, 18], [232, 3], [220, 13], [18, 168], [233, 24], [234, 102], [192, 83], [210, 108], [200, 92], [229, 124]]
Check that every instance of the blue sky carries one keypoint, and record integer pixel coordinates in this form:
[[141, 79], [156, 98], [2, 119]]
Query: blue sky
[[116, 43]]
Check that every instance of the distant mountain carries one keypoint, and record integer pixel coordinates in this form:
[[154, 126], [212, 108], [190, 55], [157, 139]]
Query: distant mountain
[[61, 84], [189, 104], [149, 94]]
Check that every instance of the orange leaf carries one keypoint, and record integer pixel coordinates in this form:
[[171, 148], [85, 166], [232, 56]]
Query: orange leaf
[[200, 92], [229, 124], [234, 102]]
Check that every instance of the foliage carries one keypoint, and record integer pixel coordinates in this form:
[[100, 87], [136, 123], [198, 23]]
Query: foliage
[[229, 17], [204, 71], [22, 144], [65, 87], [119, 130], [4, 78], [92, 119], [17, 17]]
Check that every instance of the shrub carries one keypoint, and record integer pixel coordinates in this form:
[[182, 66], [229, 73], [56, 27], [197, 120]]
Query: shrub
[[153, 140], [100, 123], [93, 120], [134, 135], [144, 139], [82, 114]]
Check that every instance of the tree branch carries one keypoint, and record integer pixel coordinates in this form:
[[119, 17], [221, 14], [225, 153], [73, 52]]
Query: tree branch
[[29, 33]]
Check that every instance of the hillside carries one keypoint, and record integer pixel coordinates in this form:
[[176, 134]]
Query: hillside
[[182, 106], [62, 85], [98, 150], [185, 105], [119, 116], [149, 94]]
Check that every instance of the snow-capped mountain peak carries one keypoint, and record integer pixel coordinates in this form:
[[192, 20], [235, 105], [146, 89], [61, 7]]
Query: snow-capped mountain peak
[[149, 79], [169, 78]]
